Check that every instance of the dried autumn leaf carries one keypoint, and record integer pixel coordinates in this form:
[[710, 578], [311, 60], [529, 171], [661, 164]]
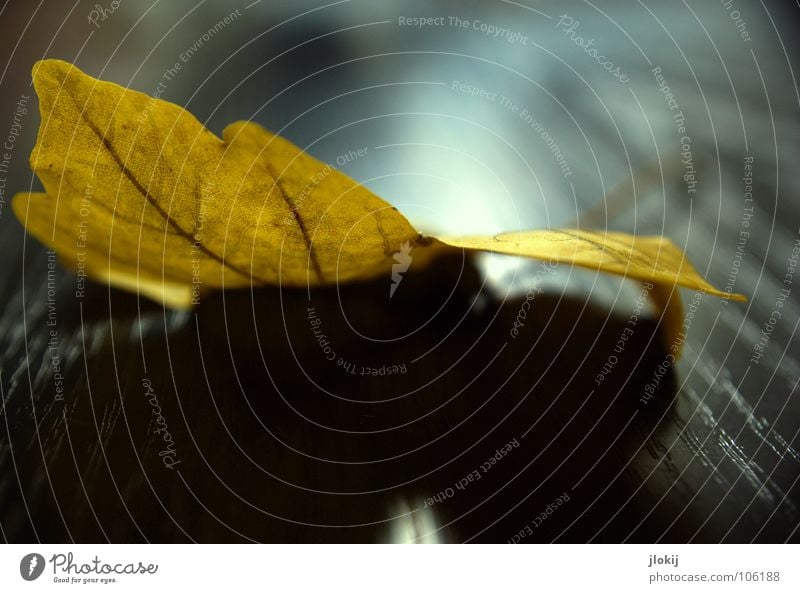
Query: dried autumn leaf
[[166, 205], [650, 259], [655, 260], [139, 194]]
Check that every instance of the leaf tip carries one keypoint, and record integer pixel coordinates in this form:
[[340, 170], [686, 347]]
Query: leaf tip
[[50, 70], [735, 296], [19, 204]]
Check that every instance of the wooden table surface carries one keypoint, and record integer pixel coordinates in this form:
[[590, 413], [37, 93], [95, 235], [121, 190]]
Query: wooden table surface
[[273, 442]]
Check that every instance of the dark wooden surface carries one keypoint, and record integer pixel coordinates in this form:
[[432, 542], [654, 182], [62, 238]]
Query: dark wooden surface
[[278, 444]]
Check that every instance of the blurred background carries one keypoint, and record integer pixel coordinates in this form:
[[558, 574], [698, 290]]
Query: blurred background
[[477, 117]]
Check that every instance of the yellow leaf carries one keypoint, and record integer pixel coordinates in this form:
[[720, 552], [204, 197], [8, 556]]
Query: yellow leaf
[[655, 260], [651, 259], [141, 195]]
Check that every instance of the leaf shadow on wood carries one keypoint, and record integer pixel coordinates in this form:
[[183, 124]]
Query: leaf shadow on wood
[[275, 442]]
